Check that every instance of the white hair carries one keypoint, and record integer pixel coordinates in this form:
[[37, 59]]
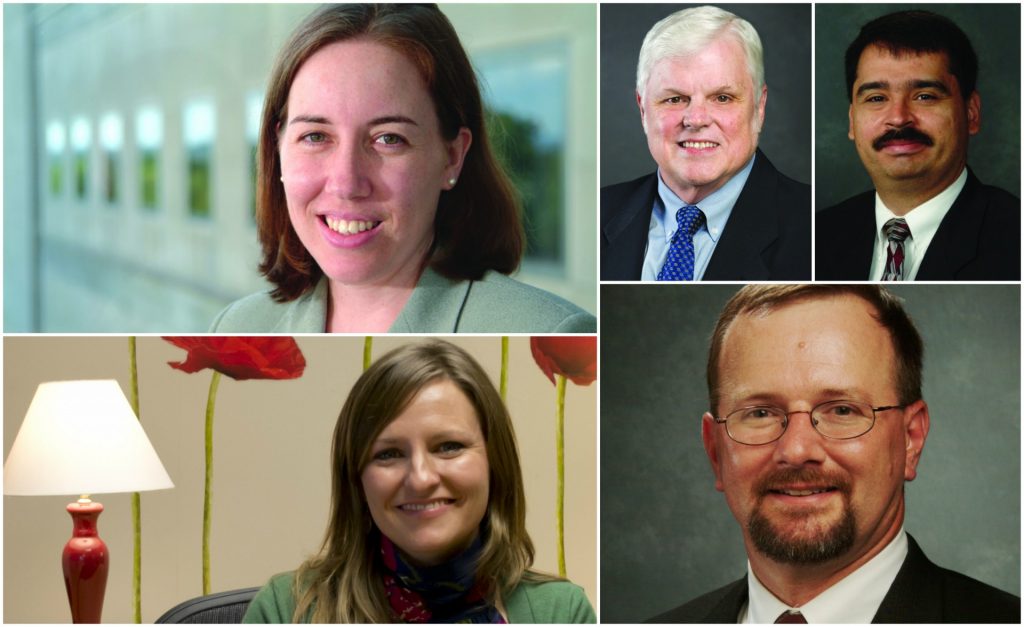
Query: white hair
[[689, 31]]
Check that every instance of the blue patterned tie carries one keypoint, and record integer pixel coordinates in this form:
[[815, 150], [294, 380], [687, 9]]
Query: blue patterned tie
[[679, 263]]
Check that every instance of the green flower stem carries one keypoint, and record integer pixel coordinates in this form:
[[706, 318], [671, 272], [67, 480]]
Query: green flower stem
[[560, 446], [367, 351], [503, 383], [136, 501], [210, 400]]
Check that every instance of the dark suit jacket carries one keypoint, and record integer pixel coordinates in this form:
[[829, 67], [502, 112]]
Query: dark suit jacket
[[978, 240], [921, 593], [767, 237]]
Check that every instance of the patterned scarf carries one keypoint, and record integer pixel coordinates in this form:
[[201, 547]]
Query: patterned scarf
[[445, 593]]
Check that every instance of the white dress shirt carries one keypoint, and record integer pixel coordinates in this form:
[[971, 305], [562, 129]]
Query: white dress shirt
[[923, 221], [716, 208], [853, 599]]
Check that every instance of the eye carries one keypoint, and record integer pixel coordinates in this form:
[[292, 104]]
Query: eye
[[674, 100], [387, 454], [723, 98], [758, 413], [926, 97], [390, 139], [875, 98], [315, 137], [450, 448]]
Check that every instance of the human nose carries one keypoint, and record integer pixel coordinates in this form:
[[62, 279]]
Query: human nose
[[423, 475], [898, 114], [696, 114], [801, 443], [348, 172]]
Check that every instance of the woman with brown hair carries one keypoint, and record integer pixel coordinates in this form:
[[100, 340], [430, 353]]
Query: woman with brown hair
[[380, 205], [428, 512]]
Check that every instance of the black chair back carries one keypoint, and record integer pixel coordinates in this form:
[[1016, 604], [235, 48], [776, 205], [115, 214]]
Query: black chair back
[[222, 607]]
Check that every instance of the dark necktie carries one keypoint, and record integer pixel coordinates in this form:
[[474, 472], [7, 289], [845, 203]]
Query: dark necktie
[[791, 616], [679, 262], [896, 231]]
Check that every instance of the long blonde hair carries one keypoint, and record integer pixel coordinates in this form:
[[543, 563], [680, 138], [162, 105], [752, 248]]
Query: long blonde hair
[[343, 582]]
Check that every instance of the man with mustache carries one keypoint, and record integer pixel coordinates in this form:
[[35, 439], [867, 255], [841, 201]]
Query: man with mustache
[[716, 209], [911, 80], [817, 422]]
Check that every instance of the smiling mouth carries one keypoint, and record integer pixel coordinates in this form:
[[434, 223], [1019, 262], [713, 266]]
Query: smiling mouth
[[422, 507], [802, 492], [698, 145], [349, 227]]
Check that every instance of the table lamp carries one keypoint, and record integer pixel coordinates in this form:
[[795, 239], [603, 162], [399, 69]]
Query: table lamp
[[82, 437]]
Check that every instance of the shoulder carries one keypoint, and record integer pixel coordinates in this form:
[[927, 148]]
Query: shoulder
[[969, 600], [843, 213], [549, 602], [275, 602], [498, 303], [1003, 207], [719, 606], [260, 313], [613, 197], [791, 195]]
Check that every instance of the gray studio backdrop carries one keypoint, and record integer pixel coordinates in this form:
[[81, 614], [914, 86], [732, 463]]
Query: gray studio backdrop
[[993, 154], [667, 536], [785, 31]]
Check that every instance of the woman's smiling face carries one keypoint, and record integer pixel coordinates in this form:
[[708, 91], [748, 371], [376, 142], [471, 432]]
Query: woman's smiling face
[[363, 163], [427, 480]]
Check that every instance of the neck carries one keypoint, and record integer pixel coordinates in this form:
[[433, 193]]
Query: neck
[[366, 308], [797, 584], [903, 196]]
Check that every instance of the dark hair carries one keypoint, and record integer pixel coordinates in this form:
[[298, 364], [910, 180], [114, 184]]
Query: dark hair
[[342, 583], [477, 227], [916, 32], [762, 299]]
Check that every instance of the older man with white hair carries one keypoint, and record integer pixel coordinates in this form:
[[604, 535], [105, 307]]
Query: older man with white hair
[[716, 209]]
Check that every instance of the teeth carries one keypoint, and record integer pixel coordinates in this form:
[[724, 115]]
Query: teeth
[[349, 227], [699, 145], [418, 507], [803, 492]]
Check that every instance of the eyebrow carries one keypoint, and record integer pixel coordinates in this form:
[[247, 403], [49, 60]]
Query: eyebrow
[[919, 83], [387, 119]]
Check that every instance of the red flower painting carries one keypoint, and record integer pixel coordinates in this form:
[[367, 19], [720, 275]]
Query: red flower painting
[[241, 358], [574, 357]]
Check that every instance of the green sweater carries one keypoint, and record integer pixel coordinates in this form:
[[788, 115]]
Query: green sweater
[[550, 602]]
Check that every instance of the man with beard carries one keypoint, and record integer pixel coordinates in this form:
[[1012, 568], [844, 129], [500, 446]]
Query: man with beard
[[818, 420], [911, 80]]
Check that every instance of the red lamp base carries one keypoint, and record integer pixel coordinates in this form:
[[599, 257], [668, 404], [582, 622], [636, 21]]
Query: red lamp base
[[85, 563]]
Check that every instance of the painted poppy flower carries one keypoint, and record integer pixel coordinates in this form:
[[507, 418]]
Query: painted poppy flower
[[574, 357], [241, 358]]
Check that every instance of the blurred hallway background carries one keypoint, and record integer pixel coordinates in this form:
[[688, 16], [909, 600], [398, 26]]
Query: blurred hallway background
[[129, 144]]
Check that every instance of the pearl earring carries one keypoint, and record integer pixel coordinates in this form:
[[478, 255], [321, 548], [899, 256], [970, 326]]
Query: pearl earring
[[452, 181]]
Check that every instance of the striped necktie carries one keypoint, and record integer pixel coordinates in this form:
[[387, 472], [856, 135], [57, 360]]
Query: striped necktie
[[896, 231], [680, 260]]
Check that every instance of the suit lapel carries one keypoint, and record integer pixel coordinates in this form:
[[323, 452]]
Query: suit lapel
[[728, 609], [956, 242], [914, 596], [626, 233], [752, 227]]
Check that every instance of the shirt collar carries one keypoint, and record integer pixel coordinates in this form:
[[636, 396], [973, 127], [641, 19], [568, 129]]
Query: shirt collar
[[716, 207], [924, 219], [853, 599]]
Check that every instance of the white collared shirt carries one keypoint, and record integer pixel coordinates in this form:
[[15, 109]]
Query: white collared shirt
[[853, 599], [717, 208], [923, 222]]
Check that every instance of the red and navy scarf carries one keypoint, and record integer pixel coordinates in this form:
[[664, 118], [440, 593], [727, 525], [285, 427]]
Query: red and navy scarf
[[446, 593]]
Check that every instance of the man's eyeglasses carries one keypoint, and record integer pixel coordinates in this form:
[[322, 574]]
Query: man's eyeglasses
[[837, 420]]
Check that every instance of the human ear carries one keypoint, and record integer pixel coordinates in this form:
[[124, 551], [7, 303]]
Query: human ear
[[457, 149], [974, 114], [916, 423], [640, 105], [709, 434], [849, 133]]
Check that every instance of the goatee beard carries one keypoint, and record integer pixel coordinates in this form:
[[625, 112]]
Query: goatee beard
[[817, 546]]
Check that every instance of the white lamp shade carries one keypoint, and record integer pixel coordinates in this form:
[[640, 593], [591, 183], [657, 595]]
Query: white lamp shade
[[82, 437]]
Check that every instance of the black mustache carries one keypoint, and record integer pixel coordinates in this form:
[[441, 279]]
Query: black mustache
[[901, 134]]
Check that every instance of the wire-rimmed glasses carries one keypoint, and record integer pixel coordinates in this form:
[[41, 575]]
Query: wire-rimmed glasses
[[836, 420]]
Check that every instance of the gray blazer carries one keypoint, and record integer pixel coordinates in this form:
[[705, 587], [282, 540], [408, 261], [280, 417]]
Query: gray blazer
[[494, 304]]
